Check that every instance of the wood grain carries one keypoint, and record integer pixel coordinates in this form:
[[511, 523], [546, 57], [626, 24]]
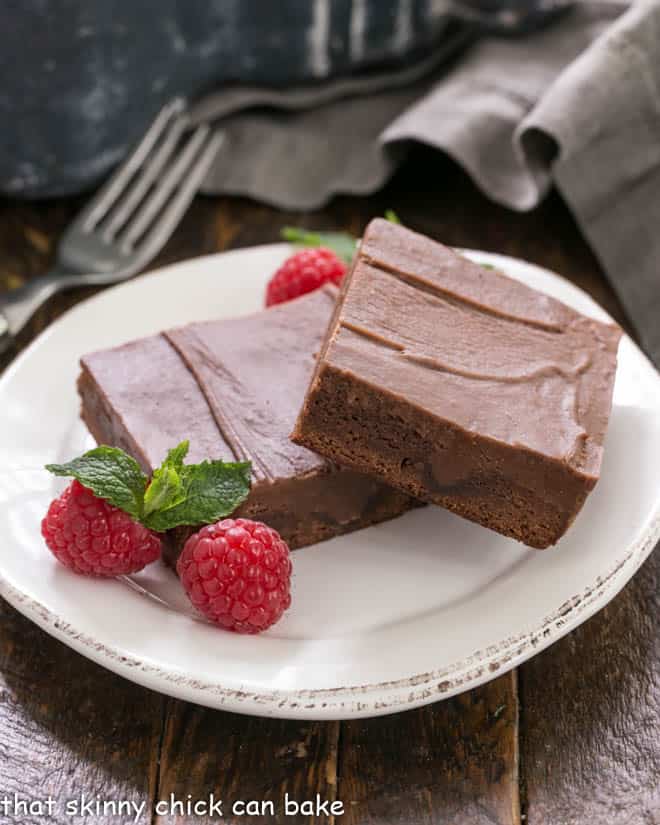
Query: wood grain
[[240, 759], [590, 707], [71, 728], [591, 716], [450, 763]]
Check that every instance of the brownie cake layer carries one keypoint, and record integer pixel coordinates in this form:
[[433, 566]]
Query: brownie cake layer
[[462, 387], [233, 388]]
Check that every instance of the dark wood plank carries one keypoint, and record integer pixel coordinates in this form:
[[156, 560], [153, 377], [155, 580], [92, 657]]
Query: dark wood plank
[[450, 763], [239, 759], [71, 728], [591, 716]]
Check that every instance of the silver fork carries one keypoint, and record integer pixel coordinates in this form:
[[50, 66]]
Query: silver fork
[[129, 220]]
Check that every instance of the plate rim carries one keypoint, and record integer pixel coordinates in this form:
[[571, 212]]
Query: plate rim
[[349, 701]]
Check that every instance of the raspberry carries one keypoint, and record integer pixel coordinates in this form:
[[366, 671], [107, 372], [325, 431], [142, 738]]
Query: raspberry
[[92, 537], [303, 272], [237, 573]]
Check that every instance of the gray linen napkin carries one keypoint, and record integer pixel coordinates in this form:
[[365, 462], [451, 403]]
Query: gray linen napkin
[[576, 104]]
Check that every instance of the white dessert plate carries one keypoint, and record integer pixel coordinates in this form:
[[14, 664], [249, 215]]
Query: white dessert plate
[[387, 618]]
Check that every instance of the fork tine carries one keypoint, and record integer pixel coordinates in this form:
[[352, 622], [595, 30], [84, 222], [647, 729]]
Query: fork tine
[[171, 215], [131, 199], [154, 203], [109, 193]]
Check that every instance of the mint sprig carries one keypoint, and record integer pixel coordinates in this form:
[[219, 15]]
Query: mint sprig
[[177, 494], [343, 244]]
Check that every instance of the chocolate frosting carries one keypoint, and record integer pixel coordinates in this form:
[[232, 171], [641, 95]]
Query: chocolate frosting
[[129, 400], [476, 348], [253, 390], [239, 384]]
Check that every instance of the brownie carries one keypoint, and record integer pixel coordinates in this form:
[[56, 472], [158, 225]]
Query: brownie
[[463, 387], [234, 388]]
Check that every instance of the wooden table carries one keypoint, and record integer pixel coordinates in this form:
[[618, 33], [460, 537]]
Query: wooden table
[[573, 736]]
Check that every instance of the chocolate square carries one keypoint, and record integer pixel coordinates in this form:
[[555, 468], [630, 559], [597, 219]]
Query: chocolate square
[[462, 387]]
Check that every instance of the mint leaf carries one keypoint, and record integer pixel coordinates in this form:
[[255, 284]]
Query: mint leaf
[[341, 243], [209, 491], [166, 488], [110, 474], [391, 216]]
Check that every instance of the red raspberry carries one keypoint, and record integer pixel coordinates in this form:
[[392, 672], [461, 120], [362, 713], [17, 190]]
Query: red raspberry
[[237, 573], [303, 272], [92, 537]]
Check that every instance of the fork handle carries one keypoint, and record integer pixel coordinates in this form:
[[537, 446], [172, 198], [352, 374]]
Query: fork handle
[[18, 305]]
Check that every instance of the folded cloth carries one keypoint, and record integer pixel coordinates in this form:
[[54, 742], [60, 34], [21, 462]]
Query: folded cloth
[[576, 105]]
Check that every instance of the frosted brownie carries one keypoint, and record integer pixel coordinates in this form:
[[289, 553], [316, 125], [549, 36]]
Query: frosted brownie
[[234, 388], [463, 387]]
